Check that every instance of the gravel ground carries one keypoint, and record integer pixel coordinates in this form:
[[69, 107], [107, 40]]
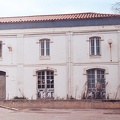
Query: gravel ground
[[60, 114]]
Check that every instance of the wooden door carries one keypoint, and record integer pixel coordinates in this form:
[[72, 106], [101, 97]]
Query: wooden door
[[2, 85]]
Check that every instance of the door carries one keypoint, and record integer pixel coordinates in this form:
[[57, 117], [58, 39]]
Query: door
[[45, 84], [2, 85]]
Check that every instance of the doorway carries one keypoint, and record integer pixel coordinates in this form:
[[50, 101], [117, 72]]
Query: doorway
[[2, 85]]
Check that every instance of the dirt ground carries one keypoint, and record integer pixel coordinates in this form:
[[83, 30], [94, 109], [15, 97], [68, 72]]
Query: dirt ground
[[60, 114]]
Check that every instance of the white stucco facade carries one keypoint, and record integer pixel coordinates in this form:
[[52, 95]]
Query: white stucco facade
[[69, 60]]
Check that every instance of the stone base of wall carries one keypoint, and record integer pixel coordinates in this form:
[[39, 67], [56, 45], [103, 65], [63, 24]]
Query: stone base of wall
[[52, 104]]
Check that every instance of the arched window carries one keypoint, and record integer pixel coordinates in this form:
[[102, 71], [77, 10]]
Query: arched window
[[45, 84], [96, 83], [95, 45], [45, 47]]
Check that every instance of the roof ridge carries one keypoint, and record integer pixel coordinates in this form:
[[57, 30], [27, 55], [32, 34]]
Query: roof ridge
[[61, 14]]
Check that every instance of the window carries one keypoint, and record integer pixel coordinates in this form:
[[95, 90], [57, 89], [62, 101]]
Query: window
[[0, 48], [96, 82], [45, 47], [45, 84], [95, 45]]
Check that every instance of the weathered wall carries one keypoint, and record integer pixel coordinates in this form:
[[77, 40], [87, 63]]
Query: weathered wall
[[24, 104], [69, 58]]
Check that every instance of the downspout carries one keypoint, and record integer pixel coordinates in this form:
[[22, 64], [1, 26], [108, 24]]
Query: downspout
[[69, 64], [118, 38], [20, 67]]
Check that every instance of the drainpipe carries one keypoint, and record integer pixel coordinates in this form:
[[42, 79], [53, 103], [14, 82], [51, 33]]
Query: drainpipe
[[118, 38], [20, 63], [69, 64]]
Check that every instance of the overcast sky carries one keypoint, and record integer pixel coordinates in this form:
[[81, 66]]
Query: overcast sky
[[41, 7]]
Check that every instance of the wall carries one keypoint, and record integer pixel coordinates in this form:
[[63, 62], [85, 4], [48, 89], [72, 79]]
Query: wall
[[69, 58]]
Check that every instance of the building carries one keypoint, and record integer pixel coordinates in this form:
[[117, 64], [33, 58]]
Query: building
[[60, 56]]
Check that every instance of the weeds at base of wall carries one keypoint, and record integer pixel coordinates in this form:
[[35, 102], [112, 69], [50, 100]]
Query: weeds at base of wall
[[61, 104], [19, 98]]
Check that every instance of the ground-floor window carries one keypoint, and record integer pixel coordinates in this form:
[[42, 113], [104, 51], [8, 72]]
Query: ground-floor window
[[96, 83], [45, 84]]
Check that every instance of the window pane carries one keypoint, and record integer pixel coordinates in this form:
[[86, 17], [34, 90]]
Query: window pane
[[52, 81], [39, 86], [92, 51], [103, 72], [52, 77], [47, 52], [42, 52], [48, 86], [93, 71], [98, 46], [47, 48], [48, 81], [93, 85], [89, 85], [39, 73], [98, 71], [52, 86], [42, 48], [43, 72], [47, 44], [42, 44], [91, 78], [97, 42], [92, 42], [43, 86], [97, 50], [92, 47]]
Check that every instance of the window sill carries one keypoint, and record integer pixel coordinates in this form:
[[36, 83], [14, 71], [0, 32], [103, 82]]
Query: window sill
[[95, 56], [44, 57]]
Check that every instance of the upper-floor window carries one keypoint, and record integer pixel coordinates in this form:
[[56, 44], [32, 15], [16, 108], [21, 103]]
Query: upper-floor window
[[45, 47], [0, 48], [95, 45]]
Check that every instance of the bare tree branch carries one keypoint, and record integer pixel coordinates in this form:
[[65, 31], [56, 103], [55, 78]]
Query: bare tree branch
[[116, 7]]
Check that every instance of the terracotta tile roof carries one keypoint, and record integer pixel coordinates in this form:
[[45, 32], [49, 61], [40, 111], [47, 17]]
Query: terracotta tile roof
[[56, 17]]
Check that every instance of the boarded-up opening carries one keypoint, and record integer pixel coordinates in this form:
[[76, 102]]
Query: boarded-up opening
[[2, 85]]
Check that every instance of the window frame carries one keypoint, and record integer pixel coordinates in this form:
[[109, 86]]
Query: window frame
[[95, 46], [96, 83], [97, 75], [45, 83], [44, 48]]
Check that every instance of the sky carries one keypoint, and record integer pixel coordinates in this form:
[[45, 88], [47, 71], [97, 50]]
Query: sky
[[11, 8]]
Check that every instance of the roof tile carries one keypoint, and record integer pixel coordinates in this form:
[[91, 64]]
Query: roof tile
[[56, 17]]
